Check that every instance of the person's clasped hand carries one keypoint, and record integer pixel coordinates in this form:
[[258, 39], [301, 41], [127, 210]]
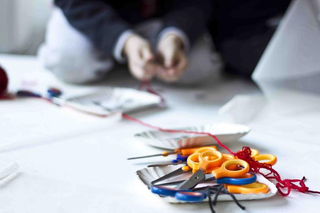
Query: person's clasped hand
[[171, 62], [172, 58], [140, 58]]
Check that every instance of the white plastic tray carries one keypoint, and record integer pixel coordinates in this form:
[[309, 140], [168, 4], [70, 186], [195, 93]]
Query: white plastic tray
[[223, 131], [147, 175], [111, 100]]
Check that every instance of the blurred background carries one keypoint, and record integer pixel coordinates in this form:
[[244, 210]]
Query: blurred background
[[240, 29], [22, 25]]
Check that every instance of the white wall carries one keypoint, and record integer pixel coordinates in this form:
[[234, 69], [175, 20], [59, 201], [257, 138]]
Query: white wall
[[22, 25]]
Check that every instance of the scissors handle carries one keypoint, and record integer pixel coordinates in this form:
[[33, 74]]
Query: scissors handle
[[254, 152], [206, 149], [191, 196], [224, 170], [166, 191], [266, 158], [238, 181], [253, 188], [182, 195], [228, 157], [206, 161]]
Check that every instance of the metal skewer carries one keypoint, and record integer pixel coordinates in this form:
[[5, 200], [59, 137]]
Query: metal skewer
[[164, 154]]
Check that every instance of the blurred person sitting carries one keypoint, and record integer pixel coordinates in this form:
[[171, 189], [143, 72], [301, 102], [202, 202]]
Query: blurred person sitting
[[157, 39]]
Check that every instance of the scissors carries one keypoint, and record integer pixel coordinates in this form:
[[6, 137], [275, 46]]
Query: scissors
[[198, 196], [180, 171], [184, 169], [212, 162], [247, 179]]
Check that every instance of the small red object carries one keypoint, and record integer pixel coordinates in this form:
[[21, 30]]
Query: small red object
[[3, 82]]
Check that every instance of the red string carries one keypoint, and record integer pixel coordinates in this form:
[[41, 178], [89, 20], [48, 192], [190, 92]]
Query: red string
[[145, 85]]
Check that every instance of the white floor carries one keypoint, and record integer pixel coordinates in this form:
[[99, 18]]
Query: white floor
[[71, 162]]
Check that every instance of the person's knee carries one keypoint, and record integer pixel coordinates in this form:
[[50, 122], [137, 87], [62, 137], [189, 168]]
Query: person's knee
[[69, 55], [76, 68]]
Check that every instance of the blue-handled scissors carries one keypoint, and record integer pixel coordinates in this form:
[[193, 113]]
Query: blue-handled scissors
[[198, 196], [247, 179], [173, 192]]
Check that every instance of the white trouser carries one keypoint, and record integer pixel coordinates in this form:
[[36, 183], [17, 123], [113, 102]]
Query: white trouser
[[73, 58]]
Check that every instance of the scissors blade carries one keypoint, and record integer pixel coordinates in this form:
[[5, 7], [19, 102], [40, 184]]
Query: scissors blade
[[196, 178], [169, 175], [208, 178], [170, 183]]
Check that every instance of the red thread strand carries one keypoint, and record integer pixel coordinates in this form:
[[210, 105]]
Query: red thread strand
[[145, 85]]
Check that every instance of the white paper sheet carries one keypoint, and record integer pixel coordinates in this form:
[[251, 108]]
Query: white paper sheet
[[291, 60]]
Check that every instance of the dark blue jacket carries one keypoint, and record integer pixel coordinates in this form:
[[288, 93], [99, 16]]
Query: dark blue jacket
[[103, 21]]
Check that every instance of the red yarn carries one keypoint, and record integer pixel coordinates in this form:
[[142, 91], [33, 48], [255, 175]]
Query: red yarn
[[282, 185], [145, 85], [3, 81]]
